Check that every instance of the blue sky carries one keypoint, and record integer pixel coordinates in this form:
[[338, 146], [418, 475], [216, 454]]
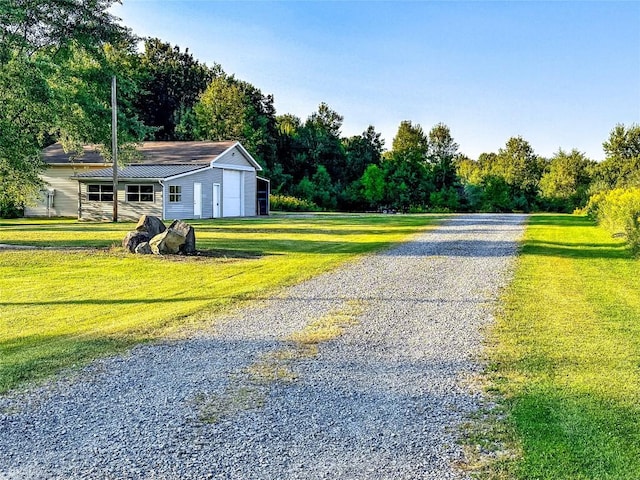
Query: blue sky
[[560, 74]]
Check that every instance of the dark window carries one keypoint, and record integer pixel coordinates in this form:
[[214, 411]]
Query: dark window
[[175, 193], [100, 193], [139, 193]]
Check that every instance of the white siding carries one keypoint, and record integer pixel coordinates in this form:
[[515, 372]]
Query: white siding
[[184, 209], [127, 211], [65, 199]]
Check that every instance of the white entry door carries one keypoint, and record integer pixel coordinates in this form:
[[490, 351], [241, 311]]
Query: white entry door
[[231, 193], [216, 200], [197, 200]]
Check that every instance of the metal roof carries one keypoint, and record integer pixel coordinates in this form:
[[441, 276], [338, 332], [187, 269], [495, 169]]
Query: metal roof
[[133, 172], [155, 153]]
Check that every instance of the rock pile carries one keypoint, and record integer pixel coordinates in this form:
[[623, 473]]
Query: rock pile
[[152, 237]]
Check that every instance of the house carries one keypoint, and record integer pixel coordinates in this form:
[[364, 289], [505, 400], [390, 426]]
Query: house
[[184, 180]]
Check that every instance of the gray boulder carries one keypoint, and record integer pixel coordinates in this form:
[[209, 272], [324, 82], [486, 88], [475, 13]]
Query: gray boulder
[[133, 239], [143, 249], [188, 232], [167, 243], [150, 224]]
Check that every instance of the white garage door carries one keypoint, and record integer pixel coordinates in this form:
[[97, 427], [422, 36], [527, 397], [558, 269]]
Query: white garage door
[[231, 193]]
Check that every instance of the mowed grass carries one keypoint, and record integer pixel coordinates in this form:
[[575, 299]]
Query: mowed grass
[[62, 308], [565, 355]]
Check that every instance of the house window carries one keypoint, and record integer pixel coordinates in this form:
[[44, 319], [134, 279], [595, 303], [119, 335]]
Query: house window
[[175, 193], [100, 193], [139, 193]]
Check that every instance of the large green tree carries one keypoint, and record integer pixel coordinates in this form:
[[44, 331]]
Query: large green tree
[[441, 153], [410, 142], [321, 143], [362, 151], [289, 167], [231, 109], [621, 167], [409, 180], [55, 74], [521, 169], [171, 82], [373, 185], [565, 184]]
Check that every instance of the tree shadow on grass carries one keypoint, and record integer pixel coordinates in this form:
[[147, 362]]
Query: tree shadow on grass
[[562, 220], [580, 250], [576, 250]]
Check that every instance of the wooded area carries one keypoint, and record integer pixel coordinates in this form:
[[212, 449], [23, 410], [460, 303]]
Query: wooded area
[[57, 61]]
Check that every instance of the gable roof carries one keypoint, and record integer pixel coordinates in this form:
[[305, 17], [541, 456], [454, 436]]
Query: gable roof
[[151, 153]]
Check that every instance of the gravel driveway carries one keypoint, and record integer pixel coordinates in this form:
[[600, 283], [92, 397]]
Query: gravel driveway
[[382, 400]]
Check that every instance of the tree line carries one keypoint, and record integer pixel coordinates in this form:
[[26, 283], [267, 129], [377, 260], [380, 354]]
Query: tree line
[[57, 60]]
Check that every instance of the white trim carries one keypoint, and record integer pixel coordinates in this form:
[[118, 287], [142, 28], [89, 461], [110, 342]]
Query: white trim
[[218, 199], [197, 199], [268, 182], [242, 194], [121, 179], [242, 168], [180, 175], [164, 200]]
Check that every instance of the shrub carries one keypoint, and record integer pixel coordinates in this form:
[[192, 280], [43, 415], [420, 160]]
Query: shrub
[[619, 212], [9, 209], [285, 203], [418, 209], [592, 207]]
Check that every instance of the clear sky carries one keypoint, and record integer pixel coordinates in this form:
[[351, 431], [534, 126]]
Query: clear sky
[[560, 74]]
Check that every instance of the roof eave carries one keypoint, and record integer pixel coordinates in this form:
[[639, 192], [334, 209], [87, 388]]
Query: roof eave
[[120, 179]]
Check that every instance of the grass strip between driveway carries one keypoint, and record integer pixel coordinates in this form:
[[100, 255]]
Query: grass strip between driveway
[[61, 309], [564, 358]]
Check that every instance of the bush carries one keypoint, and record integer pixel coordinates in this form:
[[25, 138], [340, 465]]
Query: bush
[[418, 209], [592, 207], [619, 212], [10, 209], [285, 203]]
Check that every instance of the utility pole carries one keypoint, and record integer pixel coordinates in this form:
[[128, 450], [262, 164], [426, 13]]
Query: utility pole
[[114, 146]]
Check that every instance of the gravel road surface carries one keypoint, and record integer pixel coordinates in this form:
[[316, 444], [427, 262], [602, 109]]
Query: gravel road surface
[[383, 400]]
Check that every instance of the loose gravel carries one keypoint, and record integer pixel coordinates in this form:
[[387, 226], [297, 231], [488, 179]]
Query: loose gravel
[[384, 400]]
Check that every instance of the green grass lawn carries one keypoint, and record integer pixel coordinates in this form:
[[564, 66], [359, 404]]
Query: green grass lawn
[[565, 355], [63, 308]]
